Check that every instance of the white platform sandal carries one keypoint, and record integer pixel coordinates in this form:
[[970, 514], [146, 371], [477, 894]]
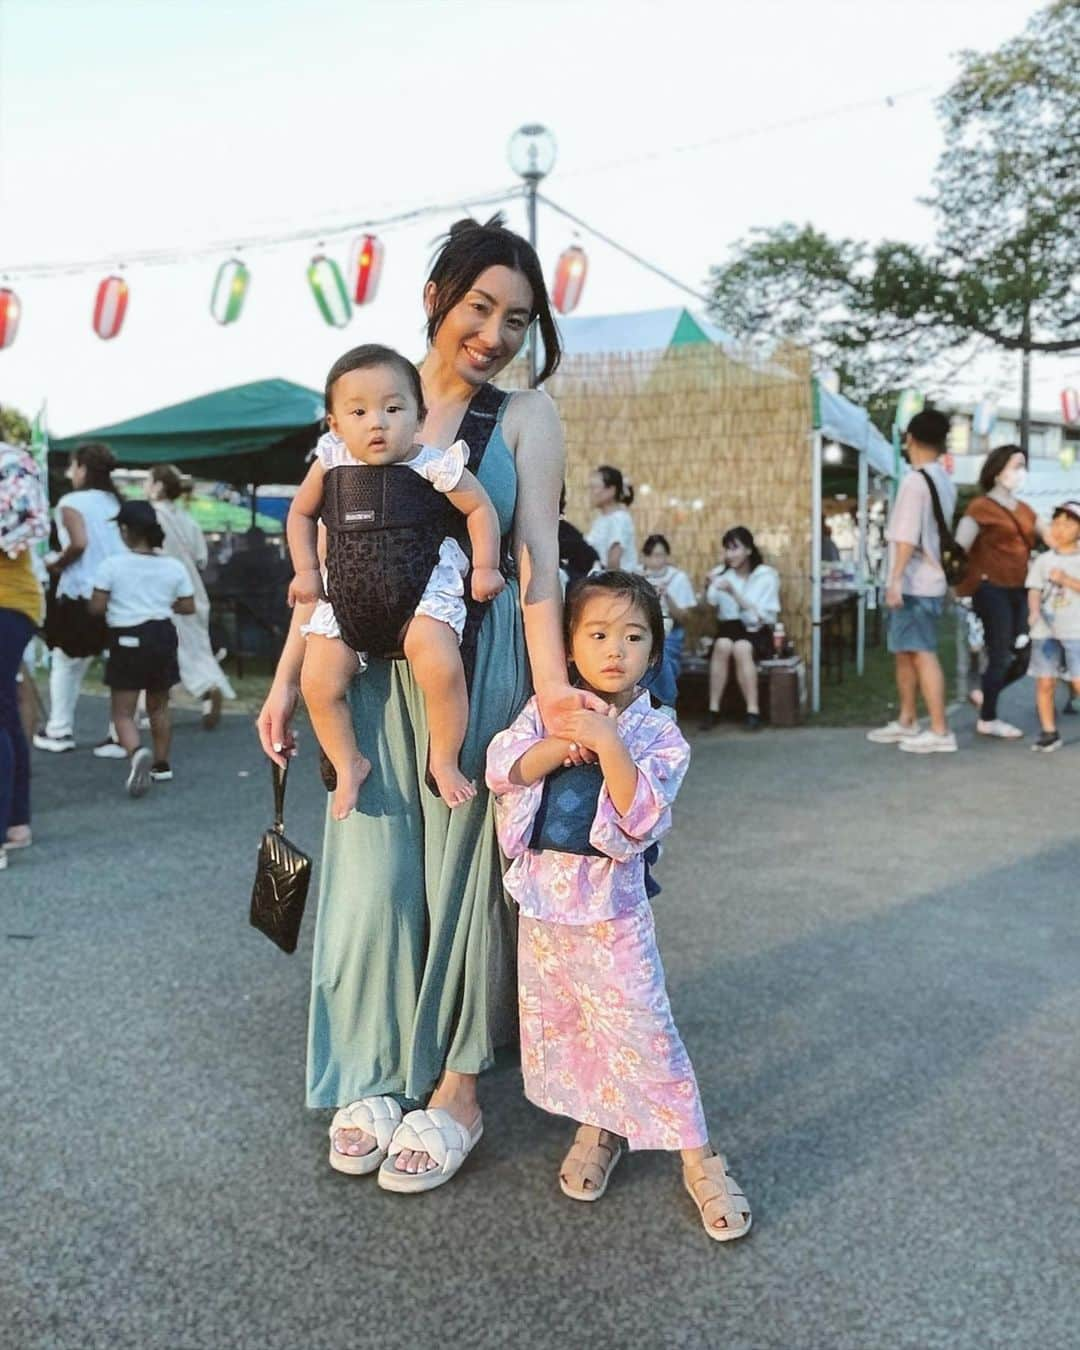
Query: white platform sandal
[[376, 1116], [437, 1134]]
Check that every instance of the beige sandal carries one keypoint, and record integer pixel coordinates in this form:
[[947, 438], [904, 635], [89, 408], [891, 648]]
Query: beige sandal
[[717, 1196], [591, 1159]]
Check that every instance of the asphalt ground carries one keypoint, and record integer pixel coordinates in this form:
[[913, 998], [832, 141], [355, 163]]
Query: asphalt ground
[[874, 959]]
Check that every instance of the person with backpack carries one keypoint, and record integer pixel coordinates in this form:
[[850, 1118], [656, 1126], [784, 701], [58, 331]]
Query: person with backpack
[[919, 541]]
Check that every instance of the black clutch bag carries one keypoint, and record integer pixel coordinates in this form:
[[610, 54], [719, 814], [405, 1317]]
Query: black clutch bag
[[281, 878]]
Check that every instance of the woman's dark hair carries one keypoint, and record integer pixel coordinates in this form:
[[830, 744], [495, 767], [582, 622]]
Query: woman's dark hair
[[741, 535], [366, 358], [995, 461], [170, 479], [656, 541], [98, 461], [140, 521], [613, 478], [628, 585], [471, 248]]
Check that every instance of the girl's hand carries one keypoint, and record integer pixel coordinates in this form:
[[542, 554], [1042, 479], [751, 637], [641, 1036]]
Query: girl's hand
[[487, 583], [275, 735], [306, 587], [593, 730], [560, 701]]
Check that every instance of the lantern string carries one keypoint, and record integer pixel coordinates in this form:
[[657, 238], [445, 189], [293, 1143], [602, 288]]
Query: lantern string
[[627, 252], [167, 256]]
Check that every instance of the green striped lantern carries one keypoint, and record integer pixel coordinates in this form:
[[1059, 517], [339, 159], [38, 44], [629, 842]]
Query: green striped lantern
[[230, 291], [329, 289]]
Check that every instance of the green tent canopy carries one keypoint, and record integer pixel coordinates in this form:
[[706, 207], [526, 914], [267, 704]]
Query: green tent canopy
[[252, 433]]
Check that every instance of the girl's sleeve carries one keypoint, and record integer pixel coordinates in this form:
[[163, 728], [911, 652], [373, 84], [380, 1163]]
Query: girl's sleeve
[[515, 806], [661, 768]]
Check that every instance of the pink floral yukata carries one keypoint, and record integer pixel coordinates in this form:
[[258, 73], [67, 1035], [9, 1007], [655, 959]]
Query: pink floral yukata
[[598, 1042]]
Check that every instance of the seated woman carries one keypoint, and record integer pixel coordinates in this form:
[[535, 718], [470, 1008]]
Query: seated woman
[[746, 593], [676, 593]]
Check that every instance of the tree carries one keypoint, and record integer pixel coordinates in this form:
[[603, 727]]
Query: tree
[[1003, 269], [14, 427]]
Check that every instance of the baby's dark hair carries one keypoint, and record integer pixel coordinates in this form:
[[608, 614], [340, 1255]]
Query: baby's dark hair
[[613, 478], [141, 522], [368, 356], [625, 585]]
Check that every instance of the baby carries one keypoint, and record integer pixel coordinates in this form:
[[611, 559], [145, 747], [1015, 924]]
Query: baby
[[395, 576]]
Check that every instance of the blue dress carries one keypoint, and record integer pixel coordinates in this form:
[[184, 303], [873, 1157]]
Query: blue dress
[[414, 963]]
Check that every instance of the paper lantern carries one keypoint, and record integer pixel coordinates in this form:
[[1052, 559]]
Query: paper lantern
[[570, 274], [110, 307], [328, 288], [230, 291], [1070, 406], [365, 268], [9, 317]]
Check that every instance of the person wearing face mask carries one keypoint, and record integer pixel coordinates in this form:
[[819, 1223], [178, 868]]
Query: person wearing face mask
[[999, 532]]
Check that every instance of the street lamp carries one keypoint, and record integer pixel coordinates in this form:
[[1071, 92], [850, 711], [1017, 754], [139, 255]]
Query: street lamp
[[532, 157]]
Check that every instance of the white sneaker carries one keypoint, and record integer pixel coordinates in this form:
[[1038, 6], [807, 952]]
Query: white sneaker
[[1004, 730], [929, 743], [139, 779], [109, 749], [3, 859], [54, 744], [892, 733]]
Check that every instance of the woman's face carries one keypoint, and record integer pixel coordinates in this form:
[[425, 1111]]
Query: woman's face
[[735, 554], [599, 492], [76, 474], [657, 558], [485, 330], [1014, 472]]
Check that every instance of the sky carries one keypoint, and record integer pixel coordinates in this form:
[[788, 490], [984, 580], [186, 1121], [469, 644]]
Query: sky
[[681, 126]]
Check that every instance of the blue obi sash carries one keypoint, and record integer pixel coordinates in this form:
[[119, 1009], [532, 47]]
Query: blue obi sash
[[565, 817]]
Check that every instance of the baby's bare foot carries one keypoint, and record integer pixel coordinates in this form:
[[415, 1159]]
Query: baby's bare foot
[[454, 787], [350, 779]]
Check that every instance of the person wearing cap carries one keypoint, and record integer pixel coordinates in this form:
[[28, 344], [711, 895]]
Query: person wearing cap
[[1053, 588], [915, 593], [138, 591]]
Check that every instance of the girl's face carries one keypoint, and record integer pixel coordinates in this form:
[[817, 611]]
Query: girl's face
[[599, 492], [735, 554], [611, 643], [1064, 531], [657, 559], [76, 474], [374, 412], [485, 330]]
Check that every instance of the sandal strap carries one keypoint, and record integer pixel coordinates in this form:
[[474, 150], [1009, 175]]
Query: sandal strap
[[376, 1116], [712, 1188], [590, 1160]]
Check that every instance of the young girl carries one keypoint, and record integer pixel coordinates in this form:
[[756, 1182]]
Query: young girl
[[597, 1038], [394, 573], [1053, 583], [611, 533], [138, 591]]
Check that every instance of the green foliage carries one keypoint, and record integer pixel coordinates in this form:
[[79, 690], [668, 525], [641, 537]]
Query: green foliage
[[1003, 269], [14, 427]]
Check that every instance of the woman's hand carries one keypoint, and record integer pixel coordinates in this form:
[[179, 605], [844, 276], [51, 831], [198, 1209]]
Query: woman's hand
[[275, 735], [558, 704], [487, 583]]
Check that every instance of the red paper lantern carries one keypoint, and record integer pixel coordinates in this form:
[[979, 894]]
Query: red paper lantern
[[9, 317], [570, 273], [365, 268], [1070, 406], [110, 307]]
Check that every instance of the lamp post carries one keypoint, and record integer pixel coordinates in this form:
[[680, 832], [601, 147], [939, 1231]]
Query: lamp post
[[532, 157]]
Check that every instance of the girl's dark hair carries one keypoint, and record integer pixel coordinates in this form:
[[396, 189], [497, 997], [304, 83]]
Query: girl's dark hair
[[656, 541], [995, 461], [368, 356], [741, 535], [98, 461], [471, 248], [613, 478], [170, 478], [140, 520], [628, 585]]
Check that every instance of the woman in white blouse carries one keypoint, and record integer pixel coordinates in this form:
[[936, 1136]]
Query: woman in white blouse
[[612, 530], [746, 593]]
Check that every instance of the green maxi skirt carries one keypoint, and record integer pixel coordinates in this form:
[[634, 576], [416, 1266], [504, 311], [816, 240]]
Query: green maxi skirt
[[413, 969]]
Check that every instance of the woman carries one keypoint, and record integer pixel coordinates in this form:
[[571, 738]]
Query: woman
[[999, 533], [676, 594], [200, 673], [24, 519], [86, 525], [612, 530], [413, 981], [746, 593]]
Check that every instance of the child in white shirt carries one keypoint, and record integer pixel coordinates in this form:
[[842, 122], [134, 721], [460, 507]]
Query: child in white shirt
[[1053, 586]]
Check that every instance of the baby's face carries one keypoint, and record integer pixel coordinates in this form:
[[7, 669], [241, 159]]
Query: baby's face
[[374, 412]]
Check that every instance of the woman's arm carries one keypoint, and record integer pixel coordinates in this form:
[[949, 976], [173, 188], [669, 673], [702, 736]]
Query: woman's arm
[[967, 531], [275, 734], [614, 557], [475, 505], [75, 527], [301, 531]]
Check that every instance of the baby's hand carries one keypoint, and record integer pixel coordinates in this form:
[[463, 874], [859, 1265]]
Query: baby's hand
[[305, 587], [1057, 576], [487, 583]]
